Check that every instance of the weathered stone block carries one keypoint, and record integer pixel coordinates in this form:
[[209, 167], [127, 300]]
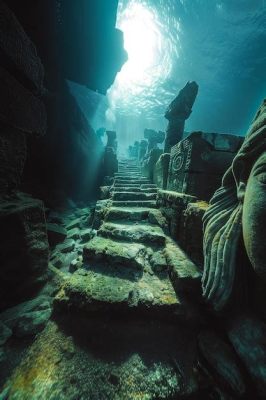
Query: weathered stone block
[[160, 173], [172, 205], [198, 163], [149, 163], [191, 231], [24, 248]]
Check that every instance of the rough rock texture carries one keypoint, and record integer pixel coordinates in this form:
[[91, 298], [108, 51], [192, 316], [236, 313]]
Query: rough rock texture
[[27, 318], [191, 230], [95, 358], [247, 335], [23, 230], [172, 205], [222, 361], [149, 162]]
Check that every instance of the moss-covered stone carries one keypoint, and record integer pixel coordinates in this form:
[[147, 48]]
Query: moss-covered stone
[[109, 251], [143, 233]]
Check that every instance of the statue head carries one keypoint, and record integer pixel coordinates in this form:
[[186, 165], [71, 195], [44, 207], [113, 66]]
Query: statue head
[[237, 214]]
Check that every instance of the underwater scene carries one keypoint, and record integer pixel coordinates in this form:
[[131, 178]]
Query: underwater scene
[[132, 199]]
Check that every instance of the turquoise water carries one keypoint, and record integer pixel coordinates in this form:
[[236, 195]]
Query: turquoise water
[[220, 44]]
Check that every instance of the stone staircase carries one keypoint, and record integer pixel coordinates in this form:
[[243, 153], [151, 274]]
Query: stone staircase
[[132, 264]]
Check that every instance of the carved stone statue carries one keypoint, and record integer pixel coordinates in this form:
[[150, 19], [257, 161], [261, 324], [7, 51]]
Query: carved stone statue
[[236, 216], [177, 112]]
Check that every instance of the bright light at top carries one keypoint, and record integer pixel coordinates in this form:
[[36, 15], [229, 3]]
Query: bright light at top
[[139, 86], [140, 41]]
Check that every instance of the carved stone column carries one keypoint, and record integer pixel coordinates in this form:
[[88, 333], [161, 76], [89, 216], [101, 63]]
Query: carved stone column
[[177, 113]]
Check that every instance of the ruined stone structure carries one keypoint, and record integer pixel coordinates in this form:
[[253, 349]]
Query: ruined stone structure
[[160, 171], [154, 138], [198, 163], [142, 150], [153, 152], [110, 163], [178, 112]]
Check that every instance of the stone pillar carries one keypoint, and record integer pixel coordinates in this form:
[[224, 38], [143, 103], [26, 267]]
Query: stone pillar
[[142, 149], [111, 140], [153, 138], [100, 133], [110, 157], [177, 113]]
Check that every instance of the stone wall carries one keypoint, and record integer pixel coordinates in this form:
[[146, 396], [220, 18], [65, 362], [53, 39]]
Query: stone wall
[[24, 247], [65, 33], [183, 214]]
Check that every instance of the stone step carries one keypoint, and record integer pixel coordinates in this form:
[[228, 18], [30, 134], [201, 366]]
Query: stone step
[[132, 203], [129, 168], [148, 186], [128, 177], [118, 278], [133, 232], [141, 181], [111, 290], [133, 196], [127, 185], [128, 171], [127, 213], [133, 189], [114, 253]]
